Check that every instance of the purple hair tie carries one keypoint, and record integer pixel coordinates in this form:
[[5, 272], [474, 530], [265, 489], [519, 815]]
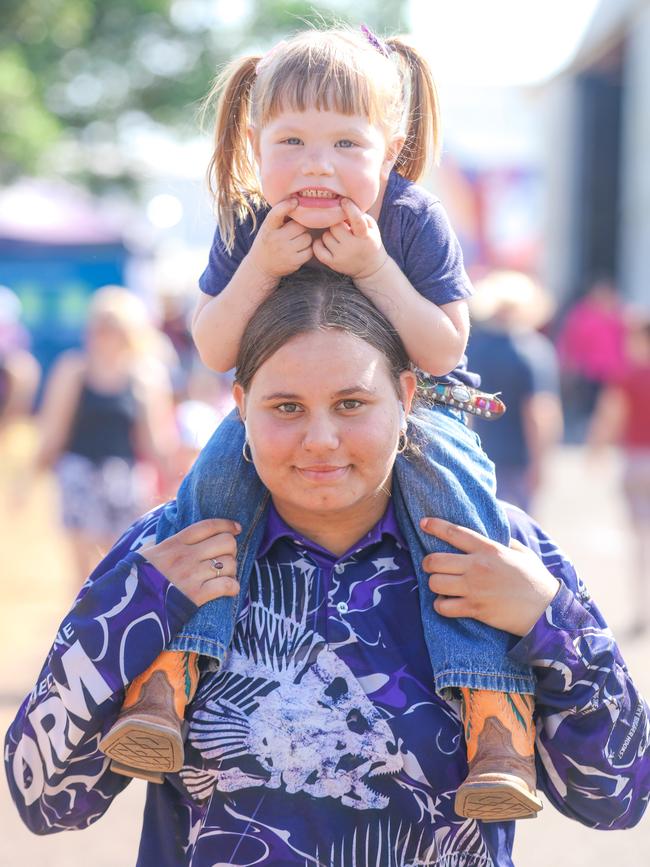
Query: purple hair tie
[[375, 41]]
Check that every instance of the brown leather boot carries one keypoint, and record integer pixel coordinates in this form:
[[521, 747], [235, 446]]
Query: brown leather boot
[[146, 740], [500, 736]]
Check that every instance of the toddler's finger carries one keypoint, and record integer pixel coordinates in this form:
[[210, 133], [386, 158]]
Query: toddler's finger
[[278, 214], [356, 218], [340, 231], [321, 252], [294, 230], [304, 256]]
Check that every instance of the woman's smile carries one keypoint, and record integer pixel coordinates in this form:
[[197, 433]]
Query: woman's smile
[[324, 473]]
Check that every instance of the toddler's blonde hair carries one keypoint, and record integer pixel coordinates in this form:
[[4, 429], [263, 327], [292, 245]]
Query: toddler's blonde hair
[[332, 70]]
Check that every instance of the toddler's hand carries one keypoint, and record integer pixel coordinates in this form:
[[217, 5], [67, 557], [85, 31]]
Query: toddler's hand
[[354, 247], [281, 245]]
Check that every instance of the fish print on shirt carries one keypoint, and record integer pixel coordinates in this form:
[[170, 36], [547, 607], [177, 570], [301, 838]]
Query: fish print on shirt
[[287, 715]]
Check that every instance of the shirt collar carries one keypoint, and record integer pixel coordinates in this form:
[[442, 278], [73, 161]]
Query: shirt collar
[[277, 528]]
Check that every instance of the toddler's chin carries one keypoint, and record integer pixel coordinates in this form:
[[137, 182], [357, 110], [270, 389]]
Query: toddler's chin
[[318, 218]]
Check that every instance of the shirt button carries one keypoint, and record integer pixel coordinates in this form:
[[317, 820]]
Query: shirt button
[[342, 607], [339, 568]]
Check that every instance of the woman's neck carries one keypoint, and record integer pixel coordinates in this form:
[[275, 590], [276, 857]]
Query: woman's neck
[[335, 531]]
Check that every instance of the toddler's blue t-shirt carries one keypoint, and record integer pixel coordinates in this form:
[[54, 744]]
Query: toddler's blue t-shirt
[[416, 233]]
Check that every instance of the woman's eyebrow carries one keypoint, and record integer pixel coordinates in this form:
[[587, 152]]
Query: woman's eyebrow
[[287, 395], [281, 395], [354, 389]]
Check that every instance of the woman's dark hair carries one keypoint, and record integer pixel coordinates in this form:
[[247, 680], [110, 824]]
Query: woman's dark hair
[[314, 299]]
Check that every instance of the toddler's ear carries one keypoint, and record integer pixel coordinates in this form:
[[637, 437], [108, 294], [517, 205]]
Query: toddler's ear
[[393, 148]]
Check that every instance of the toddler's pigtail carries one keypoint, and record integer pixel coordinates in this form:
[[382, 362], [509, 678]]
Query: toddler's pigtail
[[231, 174], [423, 135]]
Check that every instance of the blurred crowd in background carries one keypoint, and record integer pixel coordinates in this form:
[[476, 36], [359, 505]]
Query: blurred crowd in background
[[100, 236]]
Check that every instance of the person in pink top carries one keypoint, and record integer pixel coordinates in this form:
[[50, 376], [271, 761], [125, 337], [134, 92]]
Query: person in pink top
[[623, 416], [591, 348]]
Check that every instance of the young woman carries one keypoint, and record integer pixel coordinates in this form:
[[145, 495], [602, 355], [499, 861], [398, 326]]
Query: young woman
[[321, 738]]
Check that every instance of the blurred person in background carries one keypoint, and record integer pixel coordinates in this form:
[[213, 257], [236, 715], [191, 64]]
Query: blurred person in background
[[208, 401], [591, 348], [513, 358], [19, 371], [622, 416], [107, 424], [175, 325]]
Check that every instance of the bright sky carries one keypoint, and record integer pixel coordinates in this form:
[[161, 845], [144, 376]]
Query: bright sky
[[498, 42]]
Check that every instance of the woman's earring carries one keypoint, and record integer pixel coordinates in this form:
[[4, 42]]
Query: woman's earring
[[246, 452], [402, 442]]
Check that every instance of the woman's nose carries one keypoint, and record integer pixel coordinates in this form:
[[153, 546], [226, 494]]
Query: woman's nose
[[321, 433]]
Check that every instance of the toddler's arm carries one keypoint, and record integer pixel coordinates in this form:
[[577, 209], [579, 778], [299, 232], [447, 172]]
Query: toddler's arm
[[280, 247], [435, 336]]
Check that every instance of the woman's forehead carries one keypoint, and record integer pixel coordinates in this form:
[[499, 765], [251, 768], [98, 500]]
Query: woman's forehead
[[328, 361]]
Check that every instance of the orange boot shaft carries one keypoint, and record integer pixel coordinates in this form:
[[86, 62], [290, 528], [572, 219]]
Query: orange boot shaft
[[182, 672], [512, 709], [500, 737]]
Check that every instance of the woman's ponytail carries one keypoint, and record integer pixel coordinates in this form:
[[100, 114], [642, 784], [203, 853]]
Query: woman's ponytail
[[231, 175], [423, 136]]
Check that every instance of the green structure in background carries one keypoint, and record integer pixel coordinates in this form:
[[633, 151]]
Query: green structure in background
[[75, 74]]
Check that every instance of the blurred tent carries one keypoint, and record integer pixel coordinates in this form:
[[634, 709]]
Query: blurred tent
[[57, 246]]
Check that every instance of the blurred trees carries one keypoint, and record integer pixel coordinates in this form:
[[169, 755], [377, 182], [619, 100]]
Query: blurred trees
[[77, 77]]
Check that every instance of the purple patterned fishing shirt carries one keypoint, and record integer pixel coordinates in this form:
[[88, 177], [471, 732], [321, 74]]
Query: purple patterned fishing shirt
[[321, 741]]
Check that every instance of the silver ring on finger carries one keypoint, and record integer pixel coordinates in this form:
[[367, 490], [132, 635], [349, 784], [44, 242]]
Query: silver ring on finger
[[217, 565]]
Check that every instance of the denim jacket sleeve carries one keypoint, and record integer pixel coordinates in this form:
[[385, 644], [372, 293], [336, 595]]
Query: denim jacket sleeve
[[593, 726], [122, 619]]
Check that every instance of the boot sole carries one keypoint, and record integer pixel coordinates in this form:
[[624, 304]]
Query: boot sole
[[136, 773], [145, 746], [496, 802]]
